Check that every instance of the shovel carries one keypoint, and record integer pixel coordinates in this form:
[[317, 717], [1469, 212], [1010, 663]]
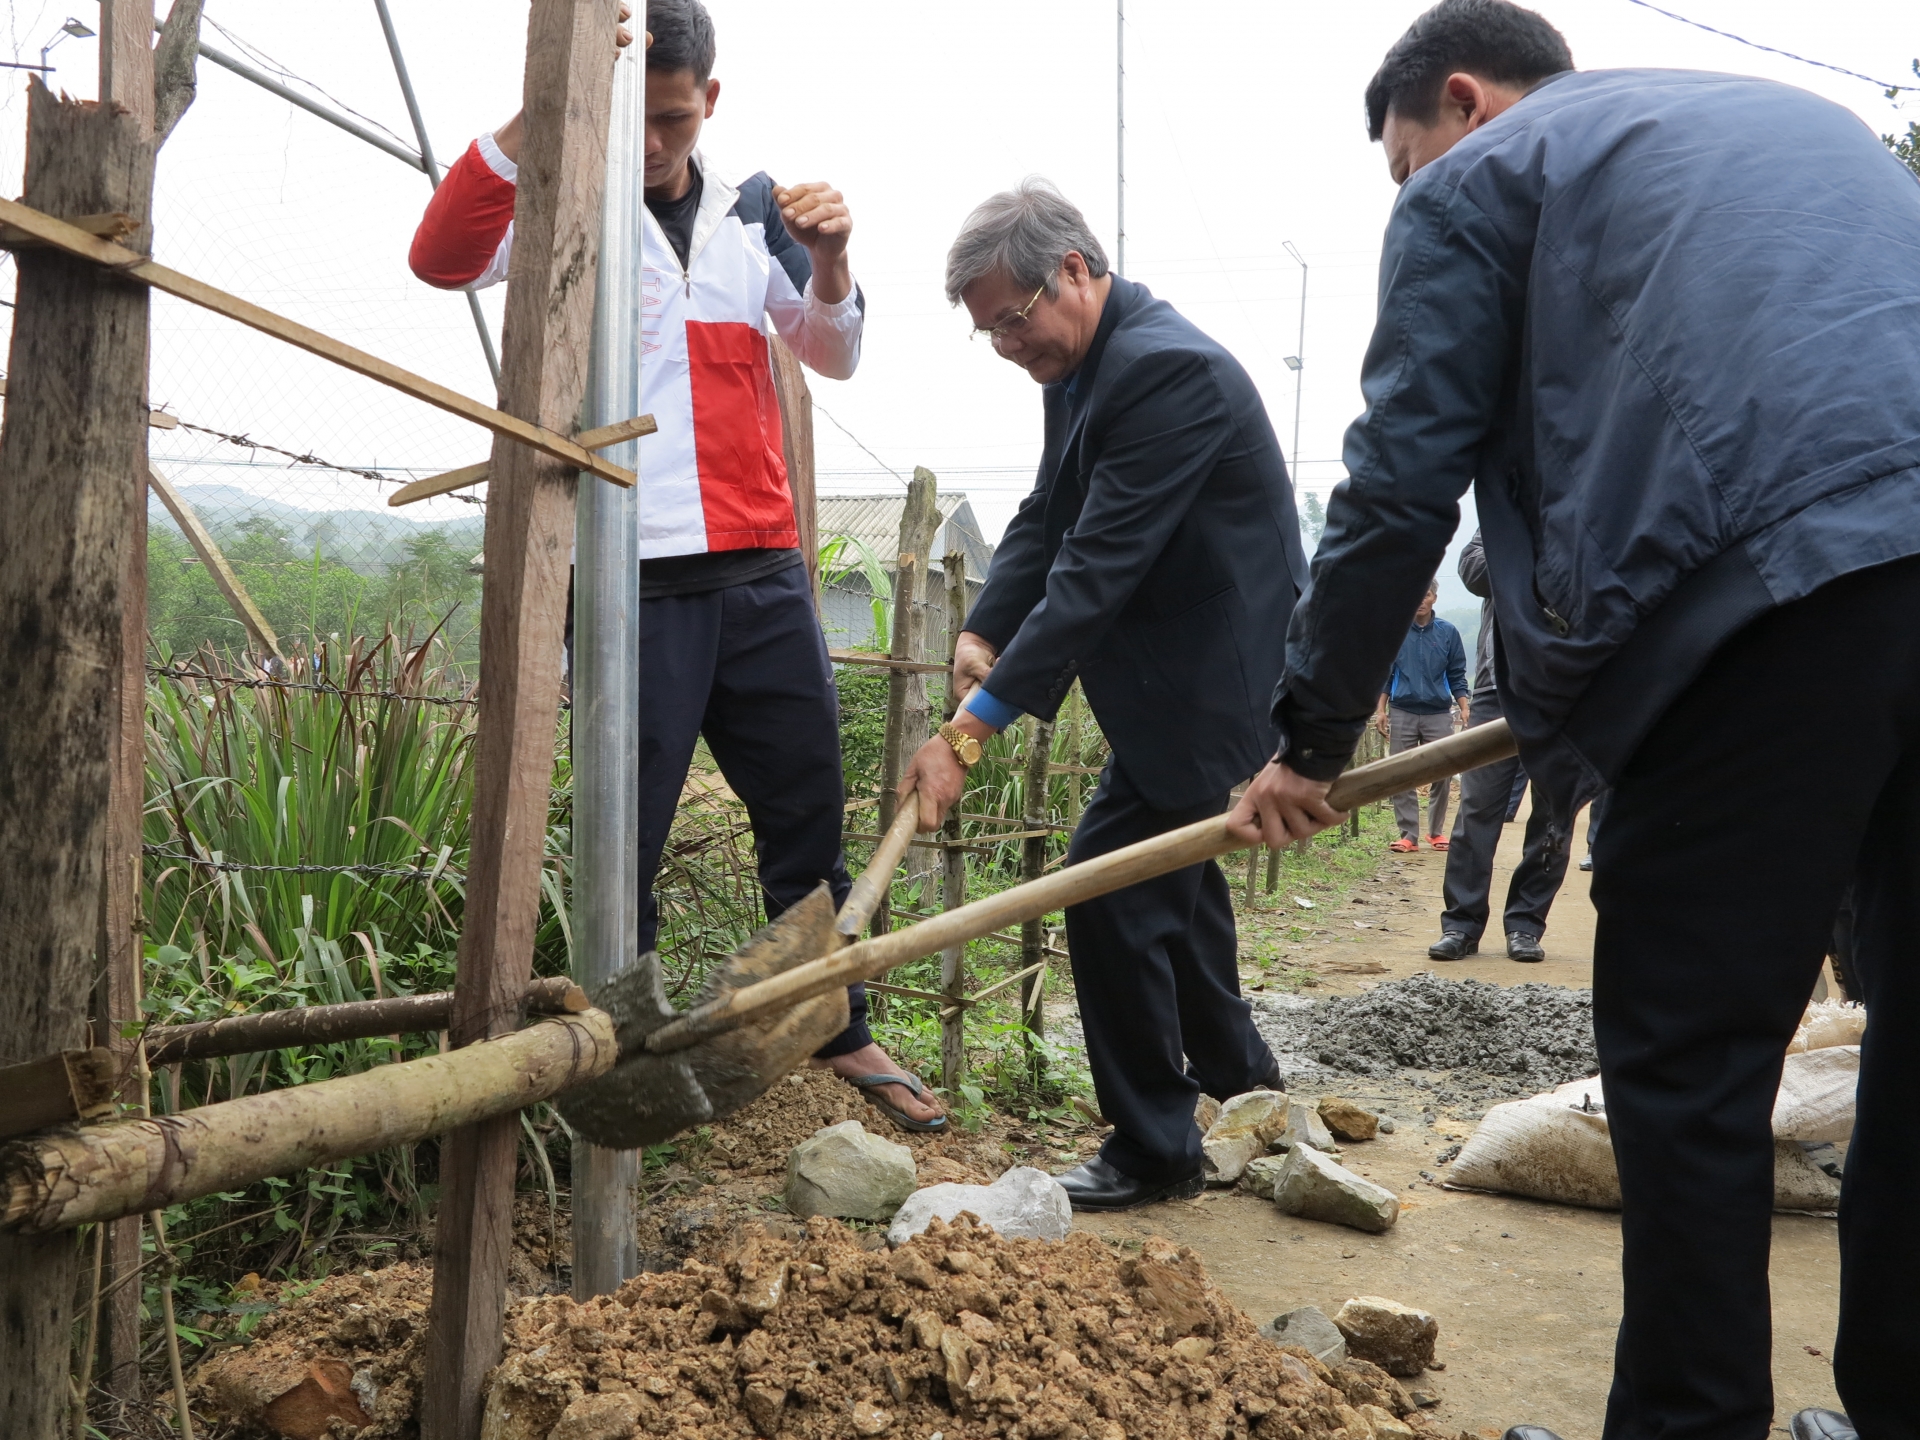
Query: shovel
[[757, 1019]]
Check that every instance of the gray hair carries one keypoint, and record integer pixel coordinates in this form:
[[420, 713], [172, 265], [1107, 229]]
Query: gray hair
[[1024, 233]]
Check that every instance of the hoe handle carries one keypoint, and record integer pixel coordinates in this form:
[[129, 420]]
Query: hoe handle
[[874, 882], [1189, 845]]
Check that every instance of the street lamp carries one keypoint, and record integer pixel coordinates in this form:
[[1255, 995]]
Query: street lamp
[[76, 28], [1297, 361]]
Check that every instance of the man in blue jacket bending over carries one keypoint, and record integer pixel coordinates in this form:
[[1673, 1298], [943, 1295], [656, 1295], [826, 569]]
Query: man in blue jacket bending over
[[1158, 543], [1665, 323]]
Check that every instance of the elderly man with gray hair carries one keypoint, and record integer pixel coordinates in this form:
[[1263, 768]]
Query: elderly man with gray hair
[[1156, 559]]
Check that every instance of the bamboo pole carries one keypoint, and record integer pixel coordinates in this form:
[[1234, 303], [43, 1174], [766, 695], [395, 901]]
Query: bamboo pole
[[215, 561], [62, 1178], [1033, 864], [953, 959]]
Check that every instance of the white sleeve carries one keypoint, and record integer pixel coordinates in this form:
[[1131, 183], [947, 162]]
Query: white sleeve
[[826, 338]]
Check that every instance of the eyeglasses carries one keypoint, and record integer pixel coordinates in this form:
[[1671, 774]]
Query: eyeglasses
[[1010, 326]]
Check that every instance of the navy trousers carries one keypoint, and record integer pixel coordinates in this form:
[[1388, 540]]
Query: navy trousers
[[746, 668], [1709, 940], [1156, 974], [1484, 796]]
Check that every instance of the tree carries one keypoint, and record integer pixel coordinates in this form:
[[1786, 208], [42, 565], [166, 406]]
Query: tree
[[1313, 522], [1906, 148]]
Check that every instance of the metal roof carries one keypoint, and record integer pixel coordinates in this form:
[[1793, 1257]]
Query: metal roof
[[874, 520]]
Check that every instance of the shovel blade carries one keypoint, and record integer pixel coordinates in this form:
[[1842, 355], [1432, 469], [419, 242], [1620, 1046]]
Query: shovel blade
[[646, 1098]]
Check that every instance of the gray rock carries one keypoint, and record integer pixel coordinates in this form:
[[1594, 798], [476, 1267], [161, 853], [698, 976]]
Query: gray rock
[[1397, 1338], [1262, 1175], [1309, 1328], [1246, 1126], [1305, 1127], [843, 1170], [1316, 1187], [1024, 1203], [1386, 1124]]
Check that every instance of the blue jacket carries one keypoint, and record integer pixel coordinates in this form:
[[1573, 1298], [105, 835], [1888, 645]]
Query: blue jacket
[[1157, 557], [1667, 324], [1429, 671]]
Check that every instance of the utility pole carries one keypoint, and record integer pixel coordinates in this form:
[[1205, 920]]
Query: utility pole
[[1120, 136], [1297, 362]]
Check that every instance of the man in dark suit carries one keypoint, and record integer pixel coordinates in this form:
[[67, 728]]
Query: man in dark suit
[[1152, 558]]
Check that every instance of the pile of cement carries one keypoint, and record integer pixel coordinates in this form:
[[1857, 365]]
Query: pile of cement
[[1494, 1039]]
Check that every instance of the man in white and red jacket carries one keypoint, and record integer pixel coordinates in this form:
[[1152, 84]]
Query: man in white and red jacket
[[732, 649]]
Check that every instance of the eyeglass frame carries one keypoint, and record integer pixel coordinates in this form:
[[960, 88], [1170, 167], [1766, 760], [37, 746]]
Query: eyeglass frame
[[1012, 323]]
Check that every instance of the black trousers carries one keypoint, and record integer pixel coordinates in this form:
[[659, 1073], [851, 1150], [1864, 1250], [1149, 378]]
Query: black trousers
[[1484, 797], [1155, 970], [746, 667], [1712, 923]]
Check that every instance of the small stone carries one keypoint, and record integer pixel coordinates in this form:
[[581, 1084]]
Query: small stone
[[765, 1404], [846, 1171], [1425, 1399], [1024, 1203], [1193, 1348], [1346, 1120], [1247, 1125], [1317, 1187], [1308, 1329], [1385, 1425], [1396, 1337], [1386, 1125], [1305, 1127], [599, 1417], [1262, 1175], [1206, 1110], [870, 1419]]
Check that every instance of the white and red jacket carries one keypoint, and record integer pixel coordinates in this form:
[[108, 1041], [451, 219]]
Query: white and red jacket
[[713, 476]]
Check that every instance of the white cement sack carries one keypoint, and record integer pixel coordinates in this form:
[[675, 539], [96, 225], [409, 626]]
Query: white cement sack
[[1828, 1023], [1557, 1147], [1816, 1094]]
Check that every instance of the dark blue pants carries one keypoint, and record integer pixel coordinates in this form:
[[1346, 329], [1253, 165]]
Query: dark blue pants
[[1156, 974], [746, 668], [1484, 794], [1709, 940]]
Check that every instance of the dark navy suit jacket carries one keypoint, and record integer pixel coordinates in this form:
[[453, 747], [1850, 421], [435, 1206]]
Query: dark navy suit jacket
[[1157, 558]]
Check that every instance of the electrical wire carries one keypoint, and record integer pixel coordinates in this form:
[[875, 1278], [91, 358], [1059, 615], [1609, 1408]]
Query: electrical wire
[[1891, 90], [858, 441]]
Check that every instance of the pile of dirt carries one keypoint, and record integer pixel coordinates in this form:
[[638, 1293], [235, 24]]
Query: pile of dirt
[[755, 1142], [347, 1349], [1497, 1039], [960, 1333]]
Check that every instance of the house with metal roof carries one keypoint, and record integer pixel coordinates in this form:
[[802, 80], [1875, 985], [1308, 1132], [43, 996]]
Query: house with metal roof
[[873, 522]]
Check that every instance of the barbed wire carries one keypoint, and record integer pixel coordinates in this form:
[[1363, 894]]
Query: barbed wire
[[384, 872], [245, 682], [247, 442], [1891, 90]]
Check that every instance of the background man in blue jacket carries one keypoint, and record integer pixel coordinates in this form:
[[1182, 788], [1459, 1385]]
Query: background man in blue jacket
[[1416, 708], [1665, 323], [1158, 545]]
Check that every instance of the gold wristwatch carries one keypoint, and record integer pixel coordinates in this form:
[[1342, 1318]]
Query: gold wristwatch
[[966, 749]]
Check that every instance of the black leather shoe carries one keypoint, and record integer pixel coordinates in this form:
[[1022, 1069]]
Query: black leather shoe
[[1522, 946], [1096, 1185], [1529, 1432], [1452, 945], [1822, 1425]]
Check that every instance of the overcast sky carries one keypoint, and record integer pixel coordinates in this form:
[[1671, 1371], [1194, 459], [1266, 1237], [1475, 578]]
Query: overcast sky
[[1244, 130]]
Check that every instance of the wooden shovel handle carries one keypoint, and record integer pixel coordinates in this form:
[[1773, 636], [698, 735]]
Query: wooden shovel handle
[[1175, 850], [874, 882]]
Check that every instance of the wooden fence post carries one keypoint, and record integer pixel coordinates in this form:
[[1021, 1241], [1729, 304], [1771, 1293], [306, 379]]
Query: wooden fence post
[[906, 691], [1033, 864], [953, 960], [70, 457], [569, 77], [1075, 708], [796, 446]]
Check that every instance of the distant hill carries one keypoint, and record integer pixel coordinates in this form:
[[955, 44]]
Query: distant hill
[[369, 542]]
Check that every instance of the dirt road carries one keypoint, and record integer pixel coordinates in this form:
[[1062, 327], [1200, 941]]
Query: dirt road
[[1527, 1294]]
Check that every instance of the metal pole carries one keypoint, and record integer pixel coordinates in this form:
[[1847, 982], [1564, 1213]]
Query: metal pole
[[1120, 136], [1299, 354], [433, 174], [606, 682]]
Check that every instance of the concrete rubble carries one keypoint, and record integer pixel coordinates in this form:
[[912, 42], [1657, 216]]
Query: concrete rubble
[[1309, 1328], [1246, 1126], [1022, 1204], [846, 1171], [1396, 1337], [1317, 1187]]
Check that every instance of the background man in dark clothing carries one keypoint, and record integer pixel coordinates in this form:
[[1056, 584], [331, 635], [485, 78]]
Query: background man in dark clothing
[[1659, 350], [1486, 796], [1158, 542], [1416, 708]]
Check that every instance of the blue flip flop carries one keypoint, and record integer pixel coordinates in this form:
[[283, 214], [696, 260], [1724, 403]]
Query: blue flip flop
[[870, 1085]]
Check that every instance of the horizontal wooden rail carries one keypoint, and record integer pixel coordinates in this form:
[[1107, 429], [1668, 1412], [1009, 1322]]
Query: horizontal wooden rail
[[604, 438], [62, 1178], [328, 1024], [873, 660], [45, 229]]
